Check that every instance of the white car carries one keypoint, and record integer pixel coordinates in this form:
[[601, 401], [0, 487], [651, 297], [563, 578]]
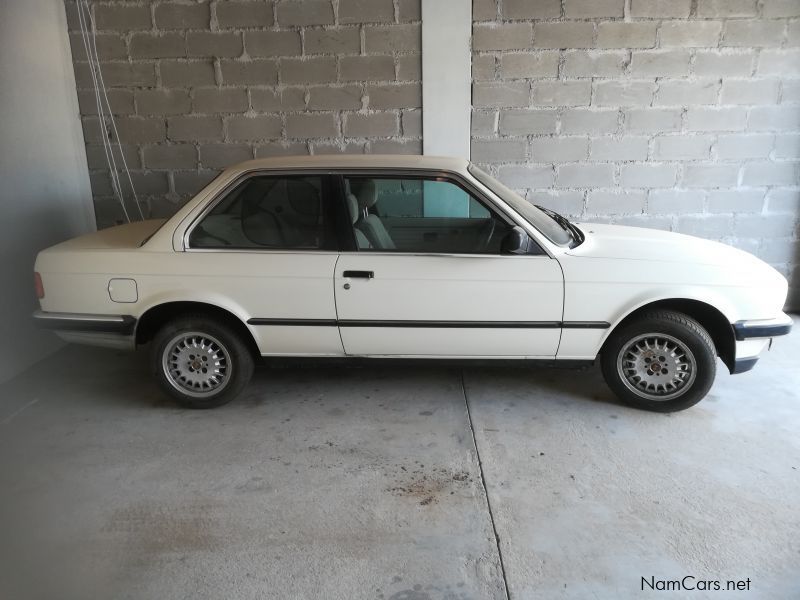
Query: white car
[[406, 257]]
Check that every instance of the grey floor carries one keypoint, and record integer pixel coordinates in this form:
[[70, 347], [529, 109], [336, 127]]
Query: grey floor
[[355, 483]]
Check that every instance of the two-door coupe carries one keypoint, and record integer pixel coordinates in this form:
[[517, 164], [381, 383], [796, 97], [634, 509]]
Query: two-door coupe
[[406, 257]]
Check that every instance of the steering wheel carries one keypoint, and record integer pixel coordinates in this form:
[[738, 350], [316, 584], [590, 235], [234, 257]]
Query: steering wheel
[[491, 226]]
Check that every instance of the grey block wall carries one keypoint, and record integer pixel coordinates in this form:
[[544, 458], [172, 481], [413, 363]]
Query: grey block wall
[[198, 86], [681, 115]]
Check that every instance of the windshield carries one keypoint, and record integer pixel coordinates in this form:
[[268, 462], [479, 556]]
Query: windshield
[[536, 217]]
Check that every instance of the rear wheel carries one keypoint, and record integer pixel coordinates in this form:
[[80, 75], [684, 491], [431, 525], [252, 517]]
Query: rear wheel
[[662, 361], [200, 362]]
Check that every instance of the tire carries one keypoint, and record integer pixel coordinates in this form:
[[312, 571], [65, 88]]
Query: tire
[[200, 362], [662, 361]]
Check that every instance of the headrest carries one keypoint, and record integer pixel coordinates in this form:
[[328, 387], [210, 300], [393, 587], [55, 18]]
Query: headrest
[[367, 194], [352, 208]]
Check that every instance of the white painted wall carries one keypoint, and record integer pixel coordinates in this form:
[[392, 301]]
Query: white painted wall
[[45, 195], [446, 77]]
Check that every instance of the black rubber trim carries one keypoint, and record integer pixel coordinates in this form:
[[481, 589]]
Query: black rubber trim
[[743, 331], [434, 362], [742, 365], [118, 324], [454, 324], [295, 322], [585, 325], [433, 324]]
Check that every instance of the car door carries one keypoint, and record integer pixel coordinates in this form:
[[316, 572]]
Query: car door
[[267, 248], [429, 279]]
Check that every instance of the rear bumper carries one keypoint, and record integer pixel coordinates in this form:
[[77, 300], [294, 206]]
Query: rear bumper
[[106, 331], [83, 323]]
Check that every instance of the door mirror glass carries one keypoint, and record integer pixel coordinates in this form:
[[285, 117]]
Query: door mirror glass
[[516, 241]]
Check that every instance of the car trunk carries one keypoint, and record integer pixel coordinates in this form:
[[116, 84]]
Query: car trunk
[[121, 237]]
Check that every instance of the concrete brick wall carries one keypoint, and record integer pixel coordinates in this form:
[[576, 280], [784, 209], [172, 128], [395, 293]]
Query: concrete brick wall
[[197, 86], [681, 115]]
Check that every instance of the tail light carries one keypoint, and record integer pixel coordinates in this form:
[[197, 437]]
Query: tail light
[[38, 285]]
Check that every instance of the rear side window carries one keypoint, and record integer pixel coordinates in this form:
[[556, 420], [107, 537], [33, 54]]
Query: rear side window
[[269, 212]]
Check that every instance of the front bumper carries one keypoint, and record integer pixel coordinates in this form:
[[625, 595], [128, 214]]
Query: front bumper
[[107, 331], [753, 337], [742, 365], [746, 330]]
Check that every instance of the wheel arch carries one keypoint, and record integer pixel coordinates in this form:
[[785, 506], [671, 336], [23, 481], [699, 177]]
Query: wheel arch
[[711, 318], [158, 315]]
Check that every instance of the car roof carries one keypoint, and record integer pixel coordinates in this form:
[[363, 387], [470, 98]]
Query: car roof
[[355, 161]]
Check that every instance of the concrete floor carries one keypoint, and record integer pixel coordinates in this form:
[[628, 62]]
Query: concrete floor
[[355, 483]]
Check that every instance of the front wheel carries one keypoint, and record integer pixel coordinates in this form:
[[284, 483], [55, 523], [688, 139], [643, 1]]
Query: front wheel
[[662, 361], [200, 362]]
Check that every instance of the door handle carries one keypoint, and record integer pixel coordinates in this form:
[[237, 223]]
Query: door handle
[[361, 274]]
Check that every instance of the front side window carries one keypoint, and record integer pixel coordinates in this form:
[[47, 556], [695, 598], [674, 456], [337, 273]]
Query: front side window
[[268, 212], [421, 215]]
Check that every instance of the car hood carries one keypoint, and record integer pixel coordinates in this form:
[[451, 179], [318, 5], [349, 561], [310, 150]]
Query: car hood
[[652, 245]]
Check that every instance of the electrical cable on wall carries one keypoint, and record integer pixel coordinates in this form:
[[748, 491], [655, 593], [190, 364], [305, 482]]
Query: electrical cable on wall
[[89, 36]]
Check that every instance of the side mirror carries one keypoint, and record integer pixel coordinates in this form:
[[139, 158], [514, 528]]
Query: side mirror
[[516, 242]]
